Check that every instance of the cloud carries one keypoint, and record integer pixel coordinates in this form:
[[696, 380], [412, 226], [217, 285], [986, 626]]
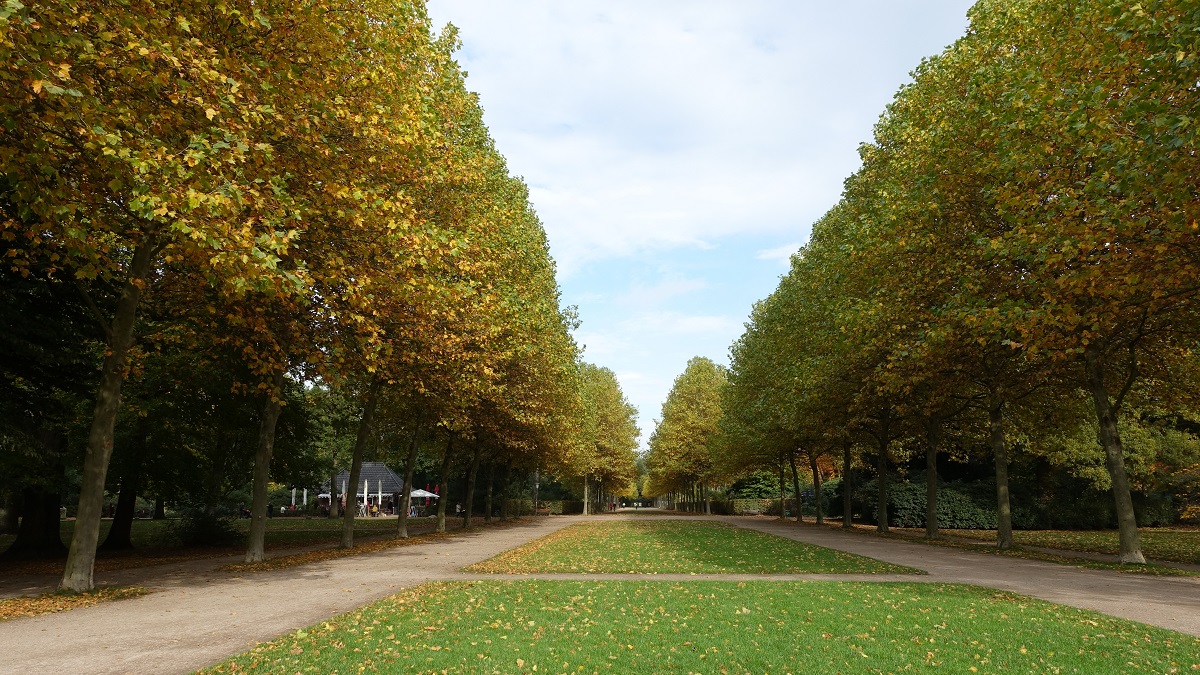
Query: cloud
[[677, 151], [658, 125], [779, 254]]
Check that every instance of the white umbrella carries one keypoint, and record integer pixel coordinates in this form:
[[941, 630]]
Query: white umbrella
[[423, 493]]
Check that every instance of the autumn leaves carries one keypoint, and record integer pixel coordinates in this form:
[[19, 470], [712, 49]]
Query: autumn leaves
[[305, 192], [1018, 235]]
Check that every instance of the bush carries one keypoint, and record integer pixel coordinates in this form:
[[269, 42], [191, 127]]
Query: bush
[[199, 526]]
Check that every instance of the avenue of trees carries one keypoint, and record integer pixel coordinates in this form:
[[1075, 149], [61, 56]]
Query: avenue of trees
[[1012, 277], [250, 244]]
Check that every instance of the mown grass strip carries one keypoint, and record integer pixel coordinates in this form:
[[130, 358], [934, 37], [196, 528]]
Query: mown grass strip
[[718, 627], [981, 545], [372, 546], [50, 603], [1171, 544], [676, 546]]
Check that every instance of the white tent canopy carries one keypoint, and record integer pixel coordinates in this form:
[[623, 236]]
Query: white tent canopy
[[423, 493]]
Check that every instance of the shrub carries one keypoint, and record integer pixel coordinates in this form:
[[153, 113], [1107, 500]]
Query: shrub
[[200, 526]]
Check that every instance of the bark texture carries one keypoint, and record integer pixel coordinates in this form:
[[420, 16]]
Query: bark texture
[[81, 561], [1114, 457], [933, 442], [262, 469], [1004, 536]]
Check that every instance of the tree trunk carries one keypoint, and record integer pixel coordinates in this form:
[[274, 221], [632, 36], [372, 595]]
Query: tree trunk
[[487, 495], [884, 441], [782, 492], [847, 516], [444, 481], [120, 535], [39, 534], [160, 508], [333, 495], [1004, 536], [472, 474], [796, 485], [585, 495], [506, 491], [77, 576], [360, 447], [933, 441], [1114, 457], [11, 520], [818, 507], [262, 469], [410, 467]]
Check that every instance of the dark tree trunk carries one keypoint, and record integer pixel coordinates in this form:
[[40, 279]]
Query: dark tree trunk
[[487, 496], [472, 474], [360, 447], [11, 519], [796, 486], [1004, 536], [782, 492], [1114, 455], [444, 481], [933, 441], [334, 511], [881, 468], [120, 535], [160, 508], [506, 493], [262, 469], [847, 484], [81, 561], [818, 507], [39, 535], [410, 467]]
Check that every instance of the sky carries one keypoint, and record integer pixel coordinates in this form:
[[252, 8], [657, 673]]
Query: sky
[[678, 151]]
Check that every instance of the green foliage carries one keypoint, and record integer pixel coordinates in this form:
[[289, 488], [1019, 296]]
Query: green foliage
[[683, 447]]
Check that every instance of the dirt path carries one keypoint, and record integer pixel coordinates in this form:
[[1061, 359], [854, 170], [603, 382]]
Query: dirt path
[[198, 615]]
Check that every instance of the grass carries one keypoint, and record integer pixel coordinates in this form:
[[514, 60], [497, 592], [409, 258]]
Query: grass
[[676, 546], [371, 546], [983, 541], [1171, 544], [59, 601], [154, 543], [717, 627]]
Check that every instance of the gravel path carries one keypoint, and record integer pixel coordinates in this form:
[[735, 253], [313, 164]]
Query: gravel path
[[198, 615]]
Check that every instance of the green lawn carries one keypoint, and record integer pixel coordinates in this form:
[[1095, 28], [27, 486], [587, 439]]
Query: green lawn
[[676, 546], [718, 627], [156, 534], [1175, 544]]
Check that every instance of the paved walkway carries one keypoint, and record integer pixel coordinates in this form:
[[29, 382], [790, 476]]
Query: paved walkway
[[198, 616]]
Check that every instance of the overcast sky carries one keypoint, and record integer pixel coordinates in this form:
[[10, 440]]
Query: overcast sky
[[678, 151]]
